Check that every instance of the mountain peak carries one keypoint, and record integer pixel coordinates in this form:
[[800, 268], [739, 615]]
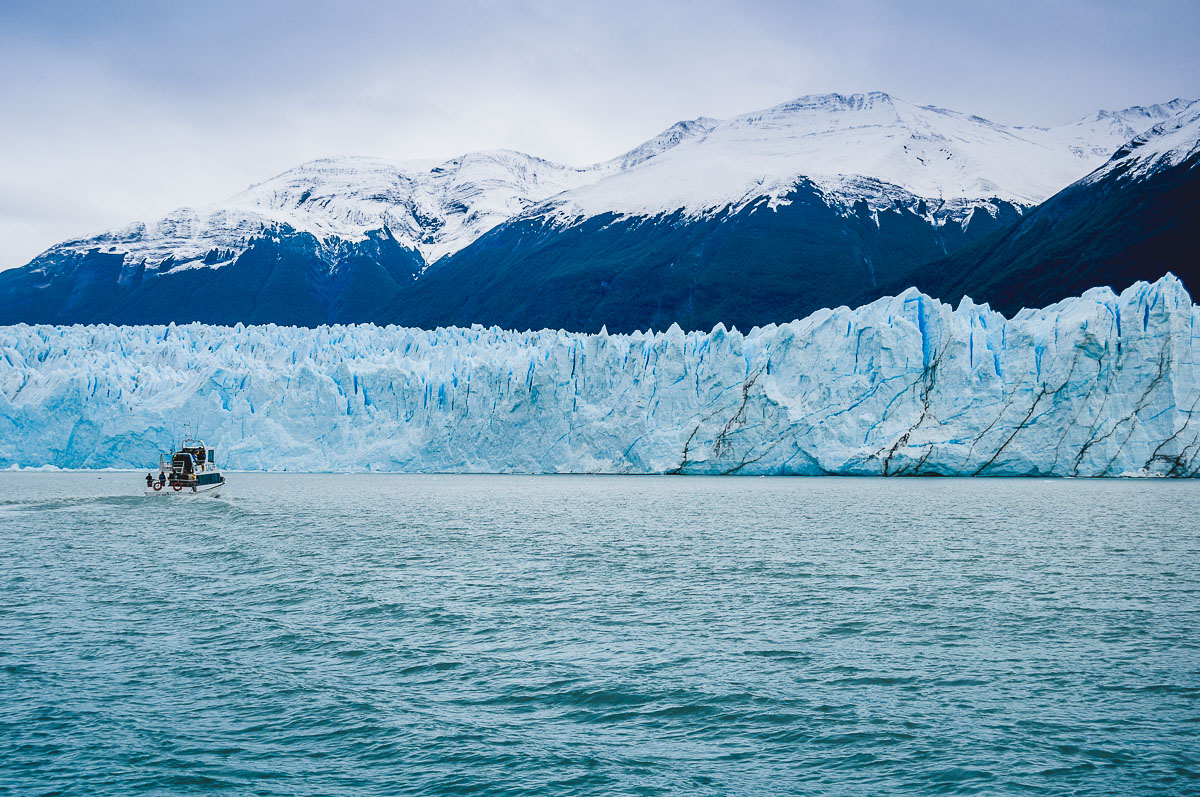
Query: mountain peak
[[1135, 119], [1166, 144], [834, 101], [842, 142], [667, 139]]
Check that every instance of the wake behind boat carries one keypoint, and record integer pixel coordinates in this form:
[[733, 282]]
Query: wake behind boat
[[192, 470]]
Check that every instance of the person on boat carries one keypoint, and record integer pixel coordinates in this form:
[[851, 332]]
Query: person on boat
[[162, 478], [149, 480]]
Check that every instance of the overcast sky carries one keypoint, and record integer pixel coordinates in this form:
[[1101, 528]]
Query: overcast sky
[[115, 111]]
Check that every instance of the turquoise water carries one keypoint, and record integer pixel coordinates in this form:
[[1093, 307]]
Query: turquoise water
[[360, 635]]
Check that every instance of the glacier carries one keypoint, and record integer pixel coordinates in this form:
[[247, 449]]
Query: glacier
[[1099, 385]]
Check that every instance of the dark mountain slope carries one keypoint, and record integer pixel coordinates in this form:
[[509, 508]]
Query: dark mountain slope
[[751, 267], [1118, 226], [284, 278]]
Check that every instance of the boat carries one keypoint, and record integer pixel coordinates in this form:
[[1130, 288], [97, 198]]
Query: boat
[[192, 470]]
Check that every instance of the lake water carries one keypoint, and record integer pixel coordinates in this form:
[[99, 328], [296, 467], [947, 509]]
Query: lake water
[[370, 634]]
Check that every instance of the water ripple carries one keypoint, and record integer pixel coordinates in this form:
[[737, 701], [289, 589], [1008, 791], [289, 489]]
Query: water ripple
[[507, 635]]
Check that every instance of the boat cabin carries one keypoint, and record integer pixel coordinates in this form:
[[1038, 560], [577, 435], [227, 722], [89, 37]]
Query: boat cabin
[[192, 465]]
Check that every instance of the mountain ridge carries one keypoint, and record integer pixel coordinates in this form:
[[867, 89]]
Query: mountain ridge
[[256, 208], [854, 190], [1131, 219]]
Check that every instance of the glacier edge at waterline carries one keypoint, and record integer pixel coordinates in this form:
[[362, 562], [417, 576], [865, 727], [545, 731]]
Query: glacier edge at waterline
[[1099, 385]]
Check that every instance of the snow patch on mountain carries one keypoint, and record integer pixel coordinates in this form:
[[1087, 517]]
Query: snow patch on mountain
[[1099, 134], [1163, 146], [673, 136], [430, 207], [435, 209], [869, 147], [842, 142], [1099, 385]]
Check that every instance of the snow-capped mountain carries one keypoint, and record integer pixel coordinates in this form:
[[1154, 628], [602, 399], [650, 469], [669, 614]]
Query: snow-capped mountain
[[863, 146], [869, 146], [840, 143], [866, 186], [1166, 145], [429, 207], [1134, 218], [1092, 136]]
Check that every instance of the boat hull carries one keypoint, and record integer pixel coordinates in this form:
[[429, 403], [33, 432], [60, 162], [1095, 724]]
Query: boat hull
[[212, 490]]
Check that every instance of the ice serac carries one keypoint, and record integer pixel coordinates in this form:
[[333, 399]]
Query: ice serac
[[1099, 385]]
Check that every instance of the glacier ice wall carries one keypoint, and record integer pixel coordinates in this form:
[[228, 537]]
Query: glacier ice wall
[[1094, 386]]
